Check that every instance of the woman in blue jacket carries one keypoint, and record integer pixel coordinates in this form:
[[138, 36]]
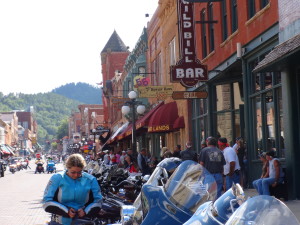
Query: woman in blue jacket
[[72, 192]]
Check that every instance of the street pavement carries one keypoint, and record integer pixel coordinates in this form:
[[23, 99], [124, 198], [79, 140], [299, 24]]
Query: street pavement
[[21, 195]]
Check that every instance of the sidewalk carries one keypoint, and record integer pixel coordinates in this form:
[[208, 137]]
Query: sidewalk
[[294, 205]]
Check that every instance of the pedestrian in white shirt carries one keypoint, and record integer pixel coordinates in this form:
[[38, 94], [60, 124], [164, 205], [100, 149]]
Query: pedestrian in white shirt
[[232, 166]]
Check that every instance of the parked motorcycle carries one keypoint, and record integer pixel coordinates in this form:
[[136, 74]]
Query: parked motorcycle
[[219, 211], [190, 186], [2, 167], [159, 176], [262, 209]]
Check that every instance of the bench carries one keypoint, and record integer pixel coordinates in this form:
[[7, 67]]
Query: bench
[[280, 191]]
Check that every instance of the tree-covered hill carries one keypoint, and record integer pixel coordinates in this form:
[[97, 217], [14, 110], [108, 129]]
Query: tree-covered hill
[[50, 110], [82, 92]]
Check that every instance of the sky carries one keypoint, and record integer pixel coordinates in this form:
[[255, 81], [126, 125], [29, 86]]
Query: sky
[[45, 44]]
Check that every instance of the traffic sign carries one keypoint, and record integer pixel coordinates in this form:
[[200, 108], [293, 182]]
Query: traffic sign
[[189, 94]]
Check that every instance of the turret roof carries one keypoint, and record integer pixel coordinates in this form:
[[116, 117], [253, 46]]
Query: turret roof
[[115, 44]]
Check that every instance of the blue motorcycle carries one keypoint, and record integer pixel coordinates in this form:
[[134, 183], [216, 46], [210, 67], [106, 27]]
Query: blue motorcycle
[[219, 211], [263, 209], [51, 168], [190, 186]]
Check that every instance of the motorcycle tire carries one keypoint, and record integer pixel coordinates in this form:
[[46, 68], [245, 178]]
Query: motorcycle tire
[[2, 171]]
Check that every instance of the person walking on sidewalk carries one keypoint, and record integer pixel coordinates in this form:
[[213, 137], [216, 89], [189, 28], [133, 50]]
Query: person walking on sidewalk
[[213, 160], [232, 166]]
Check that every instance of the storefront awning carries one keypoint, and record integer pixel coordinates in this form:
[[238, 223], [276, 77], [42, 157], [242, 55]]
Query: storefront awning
[[6, 150], [125, 133], [145, 119], [162, 120], [117, 132], [280, 52], [179, 123]]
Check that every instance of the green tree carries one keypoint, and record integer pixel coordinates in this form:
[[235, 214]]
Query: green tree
[[62, 129]]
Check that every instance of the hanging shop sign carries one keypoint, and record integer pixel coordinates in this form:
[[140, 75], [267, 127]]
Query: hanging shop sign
[[140, 80], [188, 70], [155, 91], [189, 94]]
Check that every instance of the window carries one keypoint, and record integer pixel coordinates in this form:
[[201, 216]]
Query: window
[[154, 76], [172, 52], [199, 122], [203, 34], [25, 125], [234, 16], [224, 20], [158, 71], [251, 8], [266, 100], [263, 3], [211, 28], [227, 108], [156, 68]]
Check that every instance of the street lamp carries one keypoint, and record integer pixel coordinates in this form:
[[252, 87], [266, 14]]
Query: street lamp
[[131, 105]]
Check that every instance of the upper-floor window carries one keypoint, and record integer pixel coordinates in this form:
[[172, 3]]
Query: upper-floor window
[[251, 8], [224, 20], [234, 16], [203, 34], [263, 3], [156, 68], [25, 125], [211, 28], [172, 52]]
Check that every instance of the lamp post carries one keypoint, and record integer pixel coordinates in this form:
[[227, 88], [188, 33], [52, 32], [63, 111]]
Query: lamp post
[[140, 109]]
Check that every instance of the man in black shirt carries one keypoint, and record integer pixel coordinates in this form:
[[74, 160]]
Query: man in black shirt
[[177, 151], [188, 153], [213, 160]]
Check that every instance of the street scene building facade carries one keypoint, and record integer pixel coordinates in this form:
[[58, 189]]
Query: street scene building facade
[[240, 101]]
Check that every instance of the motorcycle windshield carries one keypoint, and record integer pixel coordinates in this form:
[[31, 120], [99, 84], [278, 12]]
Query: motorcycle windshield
[[190, 186], [263, 209], [170, 164]]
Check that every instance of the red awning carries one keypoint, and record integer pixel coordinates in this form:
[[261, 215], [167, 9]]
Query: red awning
[[179, 123], [118, 132], [145, 119], [162, 120], [125, 133], [139, 123], [4, 150]]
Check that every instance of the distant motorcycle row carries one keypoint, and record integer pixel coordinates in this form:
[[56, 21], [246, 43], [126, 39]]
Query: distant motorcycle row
[[15, 164]]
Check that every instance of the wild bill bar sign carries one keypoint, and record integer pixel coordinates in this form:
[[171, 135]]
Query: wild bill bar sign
[[188, 70]]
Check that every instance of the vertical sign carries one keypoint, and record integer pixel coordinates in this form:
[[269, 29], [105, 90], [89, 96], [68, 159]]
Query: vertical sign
[[188, 70]]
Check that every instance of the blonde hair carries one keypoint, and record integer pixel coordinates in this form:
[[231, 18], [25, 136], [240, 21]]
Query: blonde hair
[[75, 160]]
